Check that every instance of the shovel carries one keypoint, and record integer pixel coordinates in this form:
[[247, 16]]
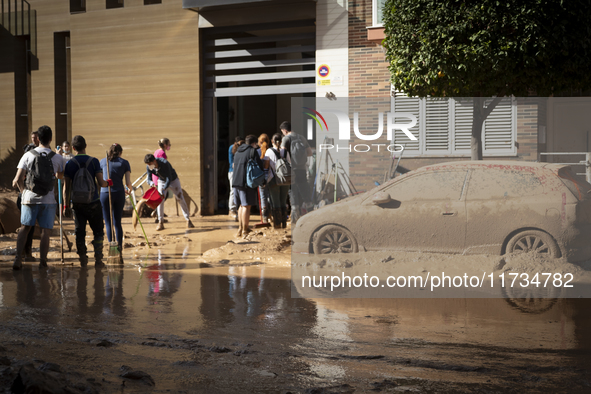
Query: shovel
[[114, 253]]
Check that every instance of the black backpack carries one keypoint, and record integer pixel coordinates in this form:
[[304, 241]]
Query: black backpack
[[40, 176], [83, 185], [298, 151]]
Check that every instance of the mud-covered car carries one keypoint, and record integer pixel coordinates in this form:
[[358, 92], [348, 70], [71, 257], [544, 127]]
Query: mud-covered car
[[476, 207]]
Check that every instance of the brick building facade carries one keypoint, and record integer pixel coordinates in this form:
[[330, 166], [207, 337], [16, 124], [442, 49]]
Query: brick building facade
[[370, 92]]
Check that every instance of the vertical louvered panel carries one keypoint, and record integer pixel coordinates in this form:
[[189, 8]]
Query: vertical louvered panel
[[437, 125], [402, 103], [463, 115], [498, 128]]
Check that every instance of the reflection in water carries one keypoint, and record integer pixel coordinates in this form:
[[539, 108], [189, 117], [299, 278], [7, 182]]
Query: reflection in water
[[168, 294]]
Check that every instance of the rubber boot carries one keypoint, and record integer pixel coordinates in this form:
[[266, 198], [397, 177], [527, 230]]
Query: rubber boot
[[265, 215], [83, 260], [98, 253], [277, 218]]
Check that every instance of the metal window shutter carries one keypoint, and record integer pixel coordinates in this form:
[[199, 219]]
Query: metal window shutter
[[437, 122], [463, 116], [498, 128], [403, 103]]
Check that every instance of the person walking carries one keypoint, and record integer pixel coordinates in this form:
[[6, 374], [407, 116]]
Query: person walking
[[278, 193], [28, 253], [299, 150], [167, 178], [231, 152], [245, 196], [118, 169], [80, 173], [264, 145], [35, 177]]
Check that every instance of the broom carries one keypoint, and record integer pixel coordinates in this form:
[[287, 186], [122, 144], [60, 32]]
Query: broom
[[114, 252], [138, 219]]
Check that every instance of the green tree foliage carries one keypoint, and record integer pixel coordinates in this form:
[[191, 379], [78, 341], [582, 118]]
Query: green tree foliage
[[485, 48]]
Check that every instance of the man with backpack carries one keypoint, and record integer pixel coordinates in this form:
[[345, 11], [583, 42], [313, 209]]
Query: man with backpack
[[35, 177], [299, 150], [80, 173], [245, 191]]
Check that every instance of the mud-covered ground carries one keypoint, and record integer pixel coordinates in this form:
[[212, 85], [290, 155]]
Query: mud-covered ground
[[200, 311]]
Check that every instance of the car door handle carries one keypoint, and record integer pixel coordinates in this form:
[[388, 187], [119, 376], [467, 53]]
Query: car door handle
[[448, 213]]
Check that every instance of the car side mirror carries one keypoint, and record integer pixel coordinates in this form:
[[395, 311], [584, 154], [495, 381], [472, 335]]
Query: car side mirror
[[381, 198]]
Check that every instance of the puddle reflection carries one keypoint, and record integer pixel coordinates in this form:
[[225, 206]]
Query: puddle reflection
[[168, 293]]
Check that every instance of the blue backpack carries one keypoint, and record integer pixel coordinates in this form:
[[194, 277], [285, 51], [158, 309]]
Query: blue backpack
[[255, 176]]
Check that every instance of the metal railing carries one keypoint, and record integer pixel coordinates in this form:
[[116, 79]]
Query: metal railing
[[10, 13], [586, 163]]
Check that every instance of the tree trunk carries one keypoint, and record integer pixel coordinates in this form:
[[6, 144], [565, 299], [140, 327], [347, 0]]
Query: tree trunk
[[480, 113]]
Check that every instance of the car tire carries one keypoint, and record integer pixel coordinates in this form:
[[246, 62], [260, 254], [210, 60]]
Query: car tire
[[533, 241], [334, 239]]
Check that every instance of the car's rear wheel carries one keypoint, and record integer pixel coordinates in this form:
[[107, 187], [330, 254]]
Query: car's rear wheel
[[533, 241], [334, 239]]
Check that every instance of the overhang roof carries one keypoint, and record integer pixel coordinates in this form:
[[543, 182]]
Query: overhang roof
[[211, 3]]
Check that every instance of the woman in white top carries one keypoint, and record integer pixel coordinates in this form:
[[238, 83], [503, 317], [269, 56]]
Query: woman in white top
[[277, 193]]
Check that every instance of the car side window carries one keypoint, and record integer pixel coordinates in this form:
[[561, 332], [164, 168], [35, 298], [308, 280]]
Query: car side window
[[436, 185], [493, 184]]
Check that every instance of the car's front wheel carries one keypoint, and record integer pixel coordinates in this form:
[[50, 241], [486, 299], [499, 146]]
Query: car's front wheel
[[334, 239], [533, 241]]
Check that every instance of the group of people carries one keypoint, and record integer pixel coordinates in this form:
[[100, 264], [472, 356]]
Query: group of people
[[40, 166], [35, 179], [272, 196]]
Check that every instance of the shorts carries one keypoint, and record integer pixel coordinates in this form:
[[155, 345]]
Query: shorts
[[42, 213], [245, 196]]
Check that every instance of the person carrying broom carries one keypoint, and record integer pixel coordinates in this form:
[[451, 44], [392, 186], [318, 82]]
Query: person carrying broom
[[117, 169], [80, 173]]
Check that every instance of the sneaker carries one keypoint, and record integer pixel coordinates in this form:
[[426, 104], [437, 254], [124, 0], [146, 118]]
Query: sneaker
[[160, 226], [42, 263], [17, 265], [190, 224]]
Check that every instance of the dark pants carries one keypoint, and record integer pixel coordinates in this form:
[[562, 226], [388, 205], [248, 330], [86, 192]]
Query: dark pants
[[300, 192], [91, 214], [118, 201], [278, 196]]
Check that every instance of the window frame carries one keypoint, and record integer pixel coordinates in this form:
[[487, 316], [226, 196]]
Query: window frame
[[374, 14]]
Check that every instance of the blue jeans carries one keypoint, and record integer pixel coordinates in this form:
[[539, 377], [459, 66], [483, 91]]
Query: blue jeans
[[264, 195], [118, 201]]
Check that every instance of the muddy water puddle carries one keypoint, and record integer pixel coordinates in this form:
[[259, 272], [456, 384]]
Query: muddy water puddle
[[202, 327]]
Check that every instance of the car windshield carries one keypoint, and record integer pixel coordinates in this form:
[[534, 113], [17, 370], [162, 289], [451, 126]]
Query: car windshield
[[580, 188]]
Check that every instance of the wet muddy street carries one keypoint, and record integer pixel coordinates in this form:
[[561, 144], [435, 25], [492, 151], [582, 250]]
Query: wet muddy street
[[175, 320]]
